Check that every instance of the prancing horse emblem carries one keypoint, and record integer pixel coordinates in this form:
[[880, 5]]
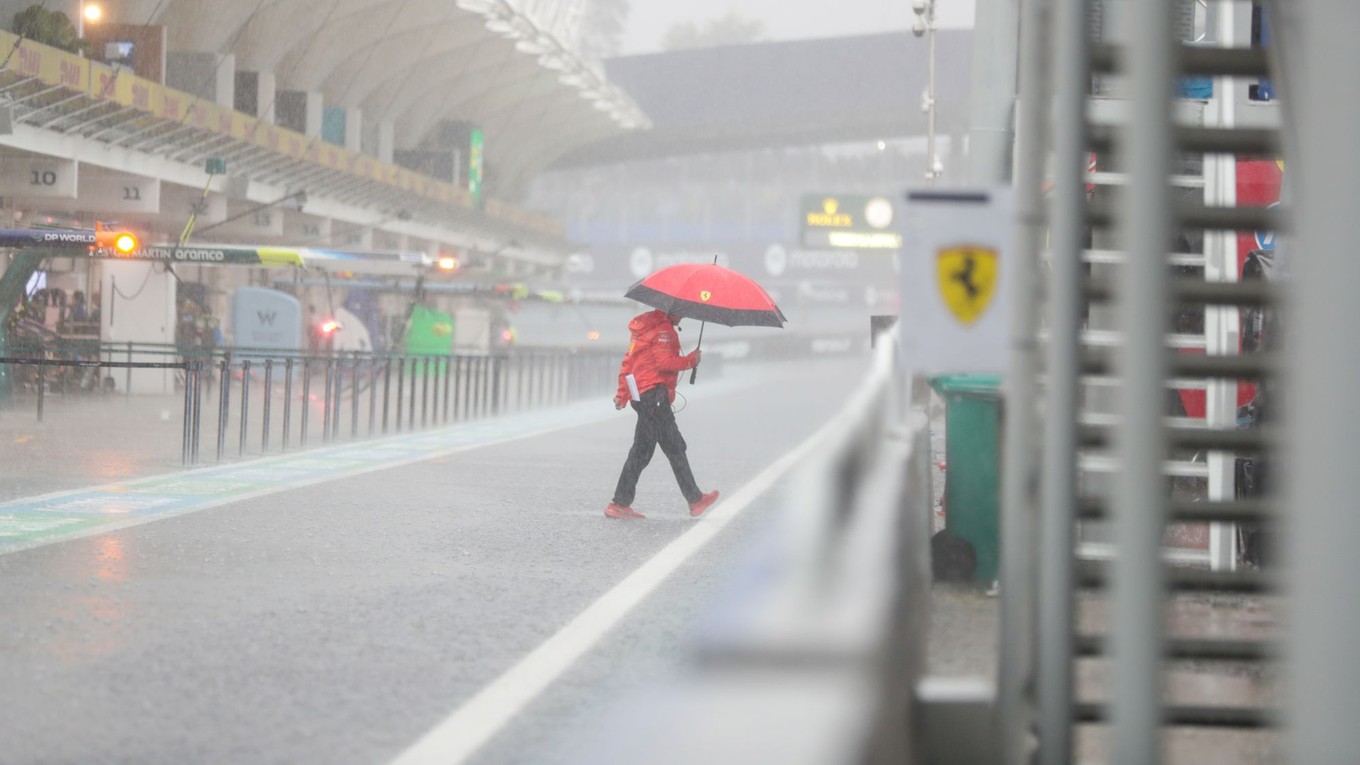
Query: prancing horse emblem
[[705, 295], [967, 278]]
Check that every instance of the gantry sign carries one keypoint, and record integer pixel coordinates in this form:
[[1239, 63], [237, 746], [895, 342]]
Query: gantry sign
[[390, 263], [124, 245], [100, 239]]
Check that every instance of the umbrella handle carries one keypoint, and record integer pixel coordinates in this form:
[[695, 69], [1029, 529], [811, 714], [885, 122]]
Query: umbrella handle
[[694, 372]]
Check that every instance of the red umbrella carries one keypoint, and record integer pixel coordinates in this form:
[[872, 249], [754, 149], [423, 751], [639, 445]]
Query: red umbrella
[[708, 292]]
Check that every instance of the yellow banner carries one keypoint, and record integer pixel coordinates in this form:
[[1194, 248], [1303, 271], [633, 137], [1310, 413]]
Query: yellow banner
[[51, 66], [174, 105], [59, 68]]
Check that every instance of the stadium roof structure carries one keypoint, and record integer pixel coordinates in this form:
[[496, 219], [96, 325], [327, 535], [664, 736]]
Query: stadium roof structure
[[790, 93], [503, 65], [508, 67]]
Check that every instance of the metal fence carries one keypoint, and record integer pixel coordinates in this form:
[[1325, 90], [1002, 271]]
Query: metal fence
[[1089, 442], [250, 402]]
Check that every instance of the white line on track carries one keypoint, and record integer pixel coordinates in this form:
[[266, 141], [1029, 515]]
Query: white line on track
[[471, 725]]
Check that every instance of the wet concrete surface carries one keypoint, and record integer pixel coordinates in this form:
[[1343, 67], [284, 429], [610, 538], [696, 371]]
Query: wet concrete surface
[[963, 642], [87, 439], [90, 438], [338, 622], [1197, 682]]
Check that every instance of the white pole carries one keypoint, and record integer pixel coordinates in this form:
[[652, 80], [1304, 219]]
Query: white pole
[[1221, 329], [931, 175]]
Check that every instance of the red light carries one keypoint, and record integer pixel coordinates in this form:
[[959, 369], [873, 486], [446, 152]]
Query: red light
[[507, 335], [329, 326]]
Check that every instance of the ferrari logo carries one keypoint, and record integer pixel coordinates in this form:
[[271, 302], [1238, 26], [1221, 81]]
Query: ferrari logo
[[967, 277], [705, 295]]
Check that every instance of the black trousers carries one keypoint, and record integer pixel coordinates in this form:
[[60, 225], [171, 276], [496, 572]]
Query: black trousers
[[655, 426]]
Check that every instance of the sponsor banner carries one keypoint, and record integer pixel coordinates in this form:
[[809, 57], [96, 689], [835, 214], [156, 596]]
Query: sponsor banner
[[784, 269], [51, 66], [848, 221], [203, 255], [174, 105], [123, 88], [806, 283], [45, 238]]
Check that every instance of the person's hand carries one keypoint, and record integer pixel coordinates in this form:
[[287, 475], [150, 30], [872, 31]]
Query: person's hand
[[620, 402], [694, 358]]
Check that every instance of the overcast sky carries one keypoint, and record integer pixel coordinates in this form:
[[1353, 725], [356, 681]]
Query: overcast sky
[[786, 19]]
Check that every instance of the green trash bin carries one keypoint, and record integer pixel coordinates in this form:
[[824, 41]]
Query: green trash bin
[[973, 474]]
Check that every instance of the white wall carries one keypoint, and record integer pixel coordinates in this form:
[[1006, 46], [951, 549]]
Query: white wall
[[472, 330], [137, 303]]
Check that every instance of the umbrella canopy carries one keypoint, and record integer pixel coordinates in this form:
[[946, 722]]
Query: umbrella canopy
[[708, 292]]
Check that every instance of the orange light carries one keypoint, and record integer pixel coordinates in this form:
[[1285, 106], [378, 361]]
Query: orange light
[[592, 335], [122, 242], [448, 263], [93, 13], [329, 326]]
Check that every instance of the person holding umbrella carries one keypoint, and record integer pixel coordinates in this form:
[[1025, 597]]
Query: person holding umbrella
[[647, 379]]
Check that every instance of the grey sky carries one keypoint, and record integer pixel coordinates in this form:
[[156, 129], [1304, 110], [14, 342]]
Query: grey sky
[[786, 19]]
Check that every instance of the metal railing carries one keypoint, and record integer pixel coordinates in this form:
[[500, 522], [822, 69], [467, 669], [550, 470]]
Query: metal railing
[[247, 402], [1038, 689]]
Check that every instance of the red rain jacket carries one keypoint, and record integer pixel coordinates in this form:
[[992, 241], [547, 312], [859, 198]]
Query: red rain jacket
[[653, 357]]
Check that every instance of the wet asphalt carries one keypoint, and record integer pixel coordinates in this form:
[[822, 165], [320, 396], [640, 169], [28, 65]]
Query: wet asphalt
[[339, 622]]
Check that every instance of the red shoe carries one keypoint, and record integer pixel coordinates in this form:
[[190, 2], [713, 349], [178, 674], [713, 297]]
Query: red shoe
[[697, 508], [615, 510]]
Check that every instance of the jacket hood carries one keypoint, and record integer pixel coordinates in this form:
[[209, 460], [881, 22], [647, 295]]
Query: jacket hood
[[648, 321]]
